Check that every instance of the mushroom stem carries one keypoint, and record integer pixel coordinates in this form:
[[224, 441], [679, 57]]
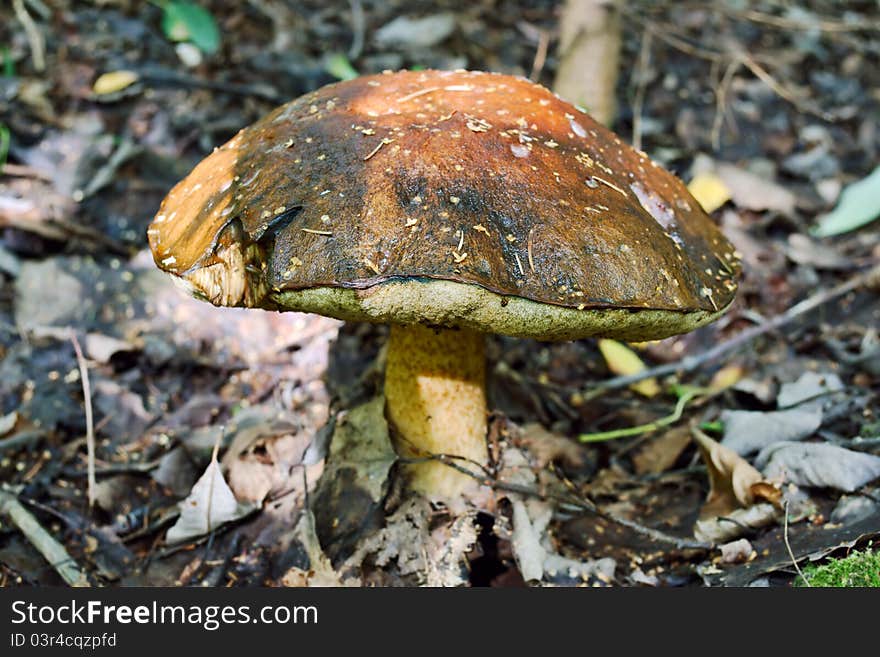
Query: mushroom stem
[[435, 391]]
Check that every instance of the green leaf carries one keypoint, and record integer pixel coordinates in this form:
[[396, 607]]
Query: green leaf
[[858, 206], [8, 63], [187, 21], [339, 67], [4, 145]]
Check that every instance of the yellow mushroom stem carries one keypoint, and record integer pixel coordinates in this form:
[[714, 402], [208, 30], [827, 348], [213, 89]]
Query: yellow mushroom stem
[[435, 391]]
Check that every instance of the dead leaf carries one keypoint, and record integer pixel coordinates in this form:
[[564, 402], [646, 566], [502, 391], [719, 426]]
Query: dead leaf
[[851, 509], [526, 538], [808, 387], [101, 348], [114, 81], [730, 477], [660, 453], [709, 190], [176, 471], [746, 432], [547, 447], [738, 551], [726, 377], [8, 422], [623, 361], [209, 505], [321, 572], [819, 465], [266, 447], [533, 551], [806, 251], [432, 552], [736, 523], [750, 191]]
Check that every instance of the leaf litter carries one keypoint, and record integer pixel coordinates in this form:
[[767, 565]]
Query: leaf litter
[[173, 377]]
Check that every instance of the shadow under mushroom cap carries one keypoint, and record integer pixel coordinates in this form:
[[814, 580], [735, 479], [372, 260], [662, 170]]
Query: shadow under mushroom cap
[[451, 198]]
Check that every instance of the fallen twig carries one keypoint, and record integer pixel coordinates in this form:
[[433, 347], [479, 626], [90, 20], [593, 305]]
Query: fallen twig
[[21, 439], [158, 76], [33, 531], [126, 150], [572, 500], [691, 363], [34, 37], [641, 87], [90, 426], [788, 547], [540, 55]]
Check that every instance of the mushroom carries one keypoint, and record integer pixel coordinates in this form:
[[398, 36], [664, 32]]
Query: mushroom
[[448, 205]]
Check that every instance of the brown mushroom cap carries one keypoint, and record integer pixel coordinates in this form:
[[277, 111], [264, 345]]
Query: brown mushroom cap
[[457, 199]]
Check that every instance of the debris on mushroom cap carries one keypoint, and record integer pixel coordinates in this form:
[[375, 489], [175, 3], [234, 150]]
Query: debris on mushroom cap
[[537, 220]]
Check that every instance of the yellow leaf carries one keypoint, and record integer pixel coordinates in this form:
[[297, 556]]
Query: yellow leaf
[[623, 361], [709, 190], [726, 377], [114, 81]]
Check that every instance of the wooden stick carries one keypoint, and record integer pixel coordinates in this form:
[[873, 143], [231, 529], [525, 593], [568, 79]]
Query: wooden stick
[[33, 531], [90, 425]]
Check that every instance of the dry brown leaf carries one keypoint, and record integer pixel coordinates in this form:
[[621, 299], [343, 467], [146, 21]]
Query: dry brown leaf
[[735, 524], [750, 191], [659, 454], [731, 477], [547, 447], [265, 450]]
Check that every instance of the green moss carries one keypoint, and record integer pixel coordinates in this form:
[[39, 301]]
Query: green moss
[[856, 570]]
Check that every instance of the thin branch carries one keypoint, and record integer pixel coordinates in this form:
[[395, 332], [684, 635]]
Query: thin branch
[[721, 100], [759, 72], [822, 24], [90, 425], [719, 351], [540, 55], [788, 547], [21, 439], [35, 38], [33, 531], [641, 86], [572, 500]]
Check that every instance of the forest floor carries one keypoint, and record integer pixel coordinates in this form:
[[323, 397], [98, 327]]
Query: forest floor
[[781, 107]]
